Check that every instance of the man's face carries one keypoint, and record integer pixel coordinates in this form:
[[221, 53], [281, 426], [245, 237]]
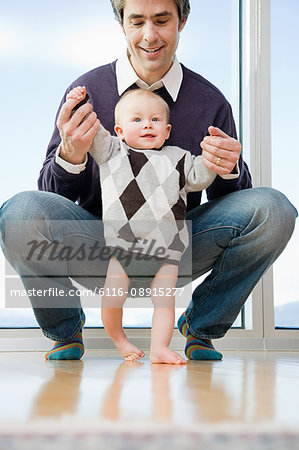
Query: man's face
[[152, 30]]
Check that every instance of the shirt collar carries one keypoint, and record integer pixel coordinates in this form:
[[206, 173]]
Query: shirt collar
[[126, 76]]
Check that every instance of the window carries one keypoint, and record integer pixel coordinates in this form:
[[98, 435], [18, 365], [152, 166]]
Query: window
[[269, 36], [285, 157], [44, 48]]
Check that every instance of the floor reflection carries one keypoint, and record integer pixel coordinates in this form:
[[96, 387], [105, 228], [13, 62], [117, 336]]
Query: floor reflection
[[251, 388], [59, 395]]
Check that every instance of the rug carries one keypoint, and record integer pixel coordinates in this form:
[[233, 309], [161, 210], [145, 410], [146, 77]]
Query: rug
[[72, 434]]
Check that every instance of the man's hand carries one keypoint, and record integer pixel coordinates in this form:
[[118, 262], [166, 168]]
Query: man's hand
[[220, 152], [77, 132]]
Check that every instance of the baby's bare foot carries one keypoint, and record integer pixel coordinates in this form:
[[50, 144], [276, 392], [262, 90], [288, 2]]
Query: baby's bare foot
[[165, 356], [128, 350]]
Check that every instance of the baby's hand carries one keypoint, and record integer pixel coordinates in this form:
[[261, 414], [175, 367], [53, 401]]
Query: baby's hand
[[77, 129], [78, 92]]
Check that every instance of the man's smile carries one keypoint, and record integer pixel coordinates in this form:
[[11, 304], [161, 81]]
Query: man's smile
[[151, 50]]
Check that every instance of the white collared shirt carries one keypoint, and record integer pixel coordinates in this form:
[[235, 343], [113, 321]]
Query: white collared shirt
[[126, 76]]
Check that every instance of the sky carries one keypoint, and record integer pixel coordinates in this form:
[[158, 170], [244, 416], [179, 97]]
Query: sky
[[44, 46]]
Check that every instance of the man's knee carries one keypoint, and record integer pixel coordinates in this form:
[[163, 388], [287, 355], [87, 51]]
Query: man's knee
[[19, 216], [14, 210], [24, 205], [274, 217], [276, 209]]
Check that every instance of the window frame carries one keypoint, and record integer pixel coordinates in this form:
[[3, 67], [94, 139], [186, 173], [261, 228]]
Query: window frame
[[257, 112]]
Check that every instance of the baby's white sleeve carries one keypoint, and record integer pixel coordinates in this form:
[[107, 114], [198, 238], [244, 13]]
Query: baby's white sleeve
[[198, 176], [104, 146]]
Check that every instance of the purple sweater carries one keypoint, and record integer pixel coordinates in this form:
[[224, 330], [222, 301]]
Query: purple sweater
[[199, 105]]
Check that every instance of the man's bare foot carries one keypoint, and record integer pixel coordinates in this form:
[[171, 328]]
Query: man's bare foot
[[165, 356], [128, 350]]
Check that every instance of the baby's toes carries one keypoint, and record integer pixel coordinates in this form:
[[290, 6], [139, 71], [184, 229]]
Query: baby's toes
[[132, 357], [180, 361]]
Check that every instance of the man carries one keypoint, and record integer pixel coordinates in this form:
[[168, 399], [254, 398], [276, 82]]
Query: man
[[238, 234]]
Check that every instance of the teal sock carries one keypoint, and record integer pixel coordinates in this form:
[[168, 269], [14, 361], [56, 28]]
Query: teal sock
[[73, 349], [196, 348], [182, 325]]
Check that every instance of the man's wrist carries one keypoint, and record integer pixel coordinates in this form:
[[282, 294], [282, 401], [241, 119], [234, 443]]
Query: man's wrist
[[235, 173], [71, 159], [70, 167]]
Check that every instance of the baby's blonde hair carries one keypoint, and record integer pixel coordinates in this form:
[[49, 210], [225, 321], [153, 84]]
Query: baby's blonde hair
[[140, 92]]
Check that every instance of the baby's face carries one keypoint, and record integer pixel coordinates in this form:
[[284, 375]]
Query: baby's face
[[143, 122]]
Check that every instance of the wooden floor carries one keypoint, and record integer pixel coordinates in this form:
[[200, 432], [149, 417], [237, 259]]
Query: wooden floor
[[247, 387]]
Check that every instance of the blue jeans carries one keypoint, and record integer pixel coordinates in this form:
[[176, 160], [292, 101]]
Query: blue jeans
[[238, 236]]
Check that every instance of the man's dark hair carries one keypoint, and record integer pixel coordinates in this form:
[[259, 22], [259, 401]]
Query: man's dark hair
[[118, 9]]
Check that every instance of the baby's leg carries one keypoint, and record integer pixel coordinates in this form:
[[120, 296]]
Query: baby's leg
[[163, 297], [116, 286]]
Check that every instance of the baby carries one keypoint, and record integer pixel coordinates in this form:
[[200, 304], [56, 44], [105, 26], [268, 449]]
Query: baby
[[144, 193]]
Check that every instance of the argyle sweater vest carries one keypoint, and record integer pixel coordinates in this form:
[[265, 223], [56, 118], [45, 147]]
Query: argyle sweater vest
[[144, 195]]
